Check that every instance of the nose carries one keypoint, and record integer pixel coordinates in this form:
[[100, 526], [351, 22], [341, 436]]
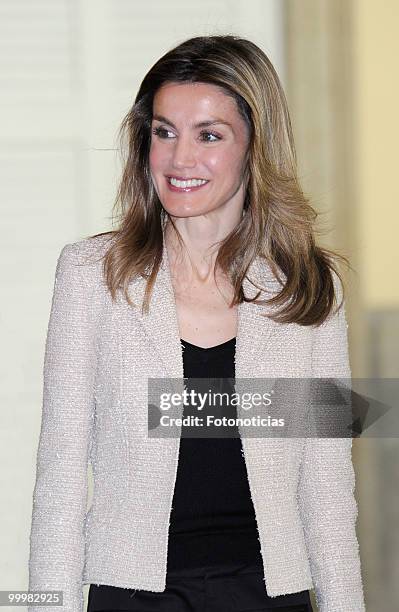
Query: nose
[[183, 153]]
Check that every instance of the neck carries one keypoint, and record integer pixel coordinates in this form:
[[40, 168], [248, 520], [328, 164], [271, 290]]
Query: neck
[[193, 260]]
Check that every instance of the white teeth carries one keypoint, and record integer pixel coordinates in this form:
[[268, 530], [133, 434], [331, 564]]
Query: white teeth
[[189, 183]]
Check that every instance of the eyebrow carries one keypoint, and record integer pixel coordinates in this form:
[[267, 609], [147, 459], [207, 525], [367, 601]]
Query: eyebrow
[[197, 125]]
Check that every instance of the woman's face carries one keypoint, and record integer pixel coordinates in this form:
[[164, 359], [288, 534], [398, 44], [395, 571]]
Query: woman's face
[[181, 149]]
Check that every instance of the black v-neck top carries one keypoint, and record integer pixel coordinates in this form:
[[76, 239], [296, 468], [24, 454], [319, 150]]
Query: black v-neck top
[[213, 519]]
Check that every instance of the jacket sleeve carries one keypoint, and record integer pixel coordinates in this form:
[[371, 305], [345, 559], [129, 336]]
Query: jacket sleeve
[[60, 492], [326, 486]]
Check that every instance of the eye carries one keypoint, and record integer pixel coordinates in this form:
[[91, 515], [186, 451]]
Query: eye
[[205, 133], [160, 131]]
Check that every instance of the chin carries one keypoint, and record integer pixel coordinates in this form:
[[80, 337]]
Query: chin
[[183, 211]]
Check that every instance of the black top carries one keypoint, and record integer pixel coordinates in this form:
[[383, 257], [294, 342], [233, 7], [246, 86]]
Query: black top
[[213, 518]]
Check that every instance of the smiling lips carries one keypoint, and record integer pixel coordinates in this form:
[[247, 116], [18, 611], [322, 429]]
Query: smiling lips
[[185, 184]]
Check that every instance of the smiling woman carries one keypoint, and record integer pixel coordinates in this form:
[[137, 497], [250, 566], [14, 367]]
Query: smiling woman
[[216, 244], [213, 109]]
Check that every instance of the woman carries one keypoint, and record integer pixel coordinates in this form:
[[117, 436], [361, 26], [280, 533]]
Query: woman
[[212, 272]]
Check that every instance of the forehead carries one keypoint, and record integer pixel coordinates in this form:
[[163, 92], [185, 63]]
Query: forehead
[[194, 99]]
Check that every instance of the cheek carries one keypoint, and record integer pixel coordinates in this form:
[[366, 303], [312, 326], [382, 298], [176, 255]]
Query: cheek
[[155, 158], [227, 164], [218, 162]]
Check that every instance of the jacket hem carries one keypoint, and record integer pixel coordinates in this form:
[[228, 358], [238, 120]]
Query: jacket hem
[[295, 587], [125, 584]]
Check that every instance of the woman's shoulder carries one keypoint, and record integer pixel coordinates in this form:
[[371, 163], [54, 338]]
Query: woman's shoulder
[[92, 248], [84, 258]]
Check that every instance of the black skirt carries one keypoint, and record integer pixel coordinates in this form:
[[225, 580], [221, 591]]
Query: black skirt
[[224, 588]]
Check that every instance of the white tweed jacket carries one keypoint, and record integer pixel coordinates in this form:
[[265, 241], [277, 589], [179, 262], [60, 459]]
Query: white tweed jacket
[[98, 358]]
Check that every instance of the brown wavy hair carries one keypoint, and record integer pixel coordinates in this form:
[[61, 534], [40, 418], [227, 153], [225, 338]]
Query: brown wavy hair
[[278, 223]]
